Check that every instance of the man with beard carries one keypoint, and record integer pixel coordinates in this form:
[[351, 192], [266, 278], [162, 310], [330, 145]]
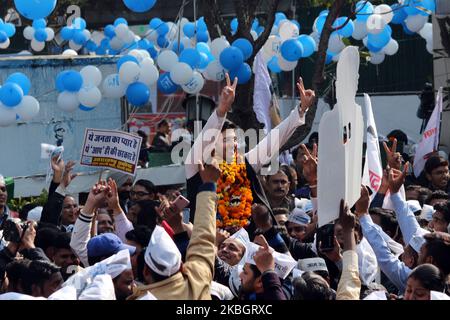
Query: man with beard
[[277, 187]]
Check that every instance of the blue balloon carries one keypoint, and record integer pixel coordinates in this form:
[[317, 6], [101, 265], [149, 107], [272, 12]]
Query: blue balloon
[[120, 21], [191, 57], [100, 51], [255, 24], [59, 81], [35, 9], [91, 46], [189, 29], [110, 31], [203, 48], [399, 14], [347, 30], [245, 46], [429, 5], [39, 24], [320, 23], [379, 40], [296, 23], [9, 29], [79, 23], [3, 36], [201, 25], [202, 36], [67, 33], [79, 37], [166, 85], [231, 58], [204, 61], [279, 16], [155, 22], [138, 94], [260, 30], [243, 73], [234, 24], [178, 48], [139, 5], [373, 48], [11, 94], [72, 81], [143, 44], [324, 13], [162, 42], [291, 50], [411, 9], [273, 65], [406, 30], [162, 29], [104, 43], [309, 45], [329, 58], [21, 80], [84, 108], [40, 35], [363, 10], [153, 52]]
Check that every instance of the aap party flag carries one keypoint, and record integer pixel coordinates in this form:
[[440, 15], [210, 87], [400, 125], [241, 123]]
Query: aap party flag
[[373, 170], [430, 137], [262, 95]]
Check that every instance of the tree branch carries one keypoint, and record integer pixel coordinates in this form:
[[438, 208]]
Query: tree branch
[[268, 28]]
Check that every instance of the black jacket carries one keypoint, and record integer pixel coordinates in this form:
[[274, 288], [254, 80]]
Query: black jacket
[[6, 257]]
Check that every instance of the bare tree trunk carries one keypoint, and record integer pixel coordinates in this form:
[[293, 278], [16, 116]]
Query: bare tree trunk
[[318, 78]]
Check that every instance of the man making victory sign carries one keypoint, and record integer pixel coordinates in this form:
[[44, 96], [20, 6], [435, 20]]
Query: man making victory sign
[[239, 187]]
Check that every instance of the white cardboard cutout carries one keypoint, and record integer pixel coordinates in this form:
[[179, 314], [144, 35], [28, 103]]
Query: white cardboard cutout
[[340, 165]]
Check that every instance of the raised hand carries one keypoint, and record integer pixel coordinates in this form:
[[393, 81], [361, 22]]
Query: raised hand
[[112, 197], [394, 158], [310, 164], [68, 176], [97, 196], [58, 169], [210, 172], [227, 96], [307, 97], [362, 205], [263, 257], [348, 221], [397, 178]]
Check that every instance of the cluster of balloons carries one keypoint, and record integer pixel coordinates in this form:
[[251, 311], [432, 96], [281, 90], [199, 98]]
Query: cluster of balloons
[[79, 90], [38, 34], [139, 5], [255, 31], [196, 30], [119, 36], [7, 30], [137, 73], [77, 34], [285, 46], [15, 103], [233, 59]]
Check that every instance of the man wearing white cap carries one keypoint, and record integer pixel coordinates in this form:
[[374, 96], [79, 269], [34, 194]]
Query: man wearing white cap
[[297, 224], [165, 276]]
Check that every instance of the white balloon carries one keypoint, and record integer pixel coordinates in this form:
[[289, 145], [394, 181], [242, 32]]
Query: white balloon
[[68, 101], [173, 30], [69, 52], [97, 37], [183, 21], [116, 44], [50, 34], [288, 30], [385, 11], [122, 31], [129, 72], [359, 30], [316, 38], [89, 97], [113, 87], [5, 44], [7, 116], [376, 58], [137, 54], [336, 57], [286, 65], [37, 46], [145, 55], [181, 73], [375, 24], [217, 46], [187, 43], [28, 108], [147, 62], [87, 34], [195, 85], [416, 22], [266, 57], [391, 48], [215, 71], [274, 31], [430, 47], [28, 33], [152, 35], [74, 46], [167, 59], [129, 38], [427, 31], [335, 43], [273, 45], [254, 34], [149, 74], [92, 76]]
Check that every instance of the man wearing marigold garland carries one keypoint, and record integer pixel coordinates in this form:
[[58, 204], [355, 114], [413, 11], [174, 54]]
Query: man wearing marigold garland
[[238, 187]]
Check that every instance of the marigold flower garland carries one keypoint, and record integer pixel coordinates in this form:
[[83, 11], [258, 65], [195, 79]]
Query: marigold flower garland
[[235, 195]]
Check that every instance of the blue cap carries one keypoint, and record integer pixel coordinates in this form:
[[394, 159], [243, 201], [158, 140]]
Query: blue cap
[[107, 244]]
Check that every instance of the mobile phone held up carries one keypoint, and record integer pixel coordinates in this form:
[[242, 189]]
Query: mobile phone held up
[[325, 236], [181, 202]]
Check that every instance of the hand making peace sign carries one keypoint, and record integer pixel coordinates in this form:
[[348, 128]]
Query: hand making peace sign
[[227, 97], [307, 97], [394, 158]]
